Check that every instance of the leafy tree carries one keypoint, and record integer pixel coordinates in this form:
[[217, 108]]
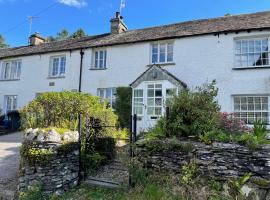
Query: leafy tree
[[78, 34], [62, 35], [2, 42], [50, 39]]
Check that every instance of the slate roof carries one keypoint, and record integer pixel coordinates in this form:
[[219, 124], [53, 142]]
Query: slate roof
[[245, 22]]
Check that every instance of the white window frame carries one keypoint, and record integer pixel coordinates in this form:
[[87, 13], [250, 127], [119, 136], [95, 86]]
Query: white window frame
[[243, 112], [98, 62], [137, 104], [13, 103], [159, 44], [248, 53], [13, 72], [59, 71], [154, 98], [110, 98]]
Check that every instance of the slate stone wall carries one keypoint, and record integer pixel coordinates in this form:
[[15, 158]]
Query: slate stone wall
[[222, 161], [56, 173]]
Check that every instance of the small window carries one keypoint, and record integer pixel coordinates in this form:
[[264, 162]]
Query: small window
[[11, 70], [58, 66], [108, 94], [138, 102], [251, 52], [10, 103], [162, 53], [100, 59], [251, 109]]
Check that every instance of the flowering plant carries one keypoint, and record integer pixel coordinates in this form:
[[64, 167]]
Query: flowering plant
[[231, 124]]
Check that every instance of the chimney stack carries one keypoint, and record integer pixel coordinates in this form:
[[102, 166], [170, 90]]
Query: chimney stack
[[118, 25], [36, 39]]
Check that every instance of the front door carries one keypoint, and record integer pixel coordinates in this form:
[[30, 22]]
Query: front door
[[153, 103], [149, 102]]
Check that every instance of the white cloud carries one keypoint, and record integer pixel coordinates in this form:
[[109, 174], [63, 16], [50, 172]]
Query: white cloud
[[73, 3]]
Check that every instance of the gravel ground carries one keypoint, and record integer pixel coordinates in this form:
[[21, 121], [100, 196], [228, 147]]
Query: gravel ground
[[9, 164]]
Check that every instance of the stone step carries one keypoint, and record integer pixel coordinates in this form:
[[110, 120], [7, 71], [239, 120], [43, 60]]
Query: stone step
[[102, 182]]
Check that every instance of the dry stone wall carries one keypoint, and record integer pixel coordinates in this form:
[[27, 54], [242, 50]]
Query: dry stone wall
[[221, 161], [54, 165]]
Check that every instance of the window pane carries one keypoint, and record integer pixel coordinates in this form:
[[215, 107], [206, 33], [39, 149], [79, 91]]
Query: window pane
[[150, 102], [101, 59], [96, 59], [158, 93], [150, 93], [158, 102], [238, 47], [170, 53], [158, 111], [105, 59], [162, 56], [108, 93], [150, 111], [63, 65], [138, 93]]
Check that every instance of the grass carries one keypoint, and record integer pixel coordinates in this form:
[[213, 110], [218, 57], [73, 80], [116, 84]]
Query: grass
[[149, 192]]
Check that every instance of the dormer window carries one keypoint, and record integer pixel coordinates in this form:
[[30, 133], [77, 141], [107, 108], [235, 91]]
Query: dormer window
[[57, 66], [100, 59], [11, 70], [162, 53], [251, 52]]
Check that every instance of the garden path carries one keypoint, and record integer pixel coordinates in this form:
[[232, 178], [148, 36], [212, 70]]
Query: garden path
[[9, 164]]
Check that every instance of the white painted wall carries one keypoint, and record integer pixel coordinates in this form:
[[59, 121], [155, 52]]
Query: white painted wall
[[197, 59], [34, 77]]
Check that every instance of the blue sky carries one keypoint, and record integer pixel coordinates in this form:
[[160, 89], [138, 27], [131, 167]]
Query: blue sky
[[94, 15]]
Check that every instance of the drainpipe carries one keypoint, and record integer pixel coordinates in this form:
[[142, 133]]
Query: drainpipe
[[80, 117], [81, 68]]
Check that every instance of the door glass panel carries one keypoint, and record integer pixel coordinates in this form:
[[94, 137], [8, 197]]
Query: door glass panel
[[154, 99], [150, 111], [158, 102], [150, 102], [150, 93], [158, 93]]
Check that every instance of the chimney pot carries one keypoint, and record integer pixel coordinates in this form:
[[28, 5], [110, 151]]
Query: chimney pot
[[36, 39], [118, 25]]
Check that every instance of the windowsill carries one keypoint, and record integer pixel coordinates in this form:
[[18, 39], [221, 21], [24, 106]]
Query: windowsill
[[55, 77], [97, 68], [16, 79], [161, 64], [253, 67]]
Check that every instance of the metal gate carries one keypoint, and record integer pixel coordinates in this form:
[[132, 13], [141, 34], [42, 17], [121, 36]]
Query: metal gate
[[108, 167]]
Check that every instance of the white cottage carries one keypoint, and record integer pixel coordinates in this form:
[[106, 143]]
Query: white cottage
[[157, 61]]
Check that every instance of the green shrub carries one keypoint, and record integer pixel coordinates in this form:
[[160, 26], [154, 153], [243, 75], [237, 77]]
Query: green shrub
[[123, 106], [215, 185], [189, 172], [191, 113], [32, 155], [62, 109], [33, 193]]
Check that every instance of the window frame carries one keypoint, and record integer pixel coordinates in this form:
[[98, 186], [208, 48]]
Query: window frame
[[110, 99], [159, 44], [13, 108], [16, 75], [254, 111], [59, 73], [96, 64], [155, 97], [248, 53], [138, 106]]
